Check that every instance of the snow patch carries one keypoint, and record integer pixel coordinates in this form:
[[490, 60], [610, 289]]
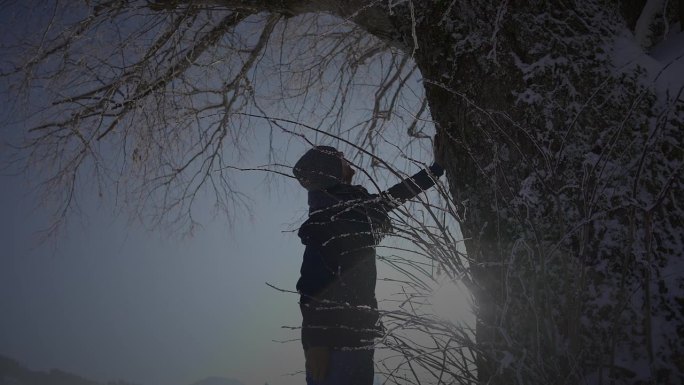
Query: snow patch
[[545, 63], [664, 66]]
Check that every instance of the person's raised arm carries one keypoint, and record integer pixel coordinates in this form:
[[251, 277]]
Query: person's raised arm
[[410, 187]]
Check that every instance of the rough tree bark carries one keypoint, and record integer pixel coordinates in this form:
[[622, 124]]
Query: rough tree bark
[[569, 176]]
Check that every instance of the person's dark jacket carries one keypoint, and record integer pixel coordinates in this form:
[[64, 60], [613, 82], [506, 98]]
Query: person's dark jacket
[[338, 273]]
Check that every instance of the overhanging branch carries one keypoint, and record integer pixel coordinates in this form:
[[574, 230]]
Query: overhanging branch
[[371, 16]]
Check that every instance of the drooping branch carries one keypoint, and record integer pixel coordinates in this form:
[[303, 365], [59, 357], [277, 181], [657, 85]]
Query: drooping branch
[[162, 82]]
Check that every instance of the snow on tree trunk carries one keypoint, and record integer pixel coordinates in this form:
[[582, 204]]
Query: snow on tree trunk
[[568, 171]]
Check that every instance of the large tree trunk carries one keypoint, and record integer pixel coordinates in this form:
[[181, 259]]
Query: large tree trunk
[[568, 176]]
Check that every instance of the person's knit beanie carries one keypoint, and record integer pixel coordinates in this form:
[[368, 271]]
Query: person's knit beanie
[[319, 168]]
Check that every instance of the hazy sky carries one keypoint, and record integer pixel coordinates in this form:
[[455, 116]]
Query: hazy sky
[[109, 299]]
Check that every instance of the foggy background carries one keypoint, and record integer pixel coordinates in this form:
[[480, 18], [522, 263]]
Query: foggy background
[[108, 299]]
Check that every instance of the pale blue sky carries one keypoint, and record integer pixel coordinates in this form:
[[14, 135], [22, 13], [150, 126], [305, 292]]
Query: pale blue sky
[[110, 299]]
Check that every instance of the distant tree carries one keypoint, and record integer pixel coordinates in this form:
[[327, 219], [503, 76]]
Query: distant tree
[[564, 151]]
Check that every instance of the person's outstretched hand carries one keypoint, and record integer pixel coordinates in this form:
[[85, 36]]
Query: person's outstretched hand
[[317, 362]]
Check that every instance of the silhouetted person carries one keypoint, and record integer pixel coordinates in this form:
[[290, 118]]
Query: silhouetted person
[[338, 273]]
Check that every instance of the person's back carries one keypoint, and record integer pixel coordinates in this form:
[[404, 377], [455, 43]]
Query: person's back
[[338, 273]]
